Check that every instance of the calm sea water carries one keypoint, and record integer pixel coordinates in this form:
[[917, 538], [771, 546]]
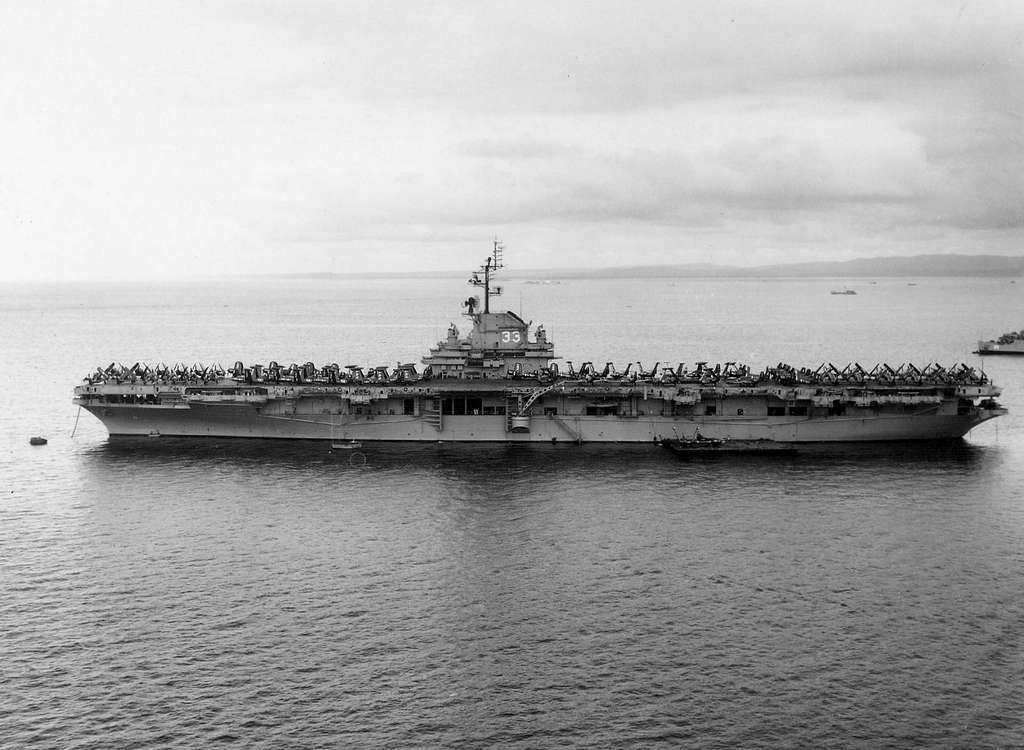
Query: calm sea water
[[255, 594]]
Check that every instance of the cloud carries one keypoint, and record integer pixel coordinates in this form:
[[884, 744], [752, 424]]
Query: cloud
[[267, 136], [695, 164], [606, 56], [516, 148]]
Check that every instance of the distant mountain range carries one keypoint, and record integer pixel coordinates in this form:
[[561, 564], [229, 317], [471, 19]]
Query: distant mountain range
[[898, 266]]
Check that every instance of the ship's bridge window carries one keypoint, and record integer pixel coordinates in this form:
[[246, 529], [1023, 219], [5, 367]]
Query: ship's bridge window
[[460, 406], [602, 410]]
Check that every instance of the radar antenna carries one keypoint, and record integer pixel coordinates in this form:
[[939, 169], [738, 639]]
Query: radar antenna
[[498, 250], [493, 264]]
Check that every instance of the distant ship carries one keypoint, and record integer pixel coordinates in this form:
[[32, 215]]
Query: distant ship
[[843, 290], [1008, 343], [500, 384]]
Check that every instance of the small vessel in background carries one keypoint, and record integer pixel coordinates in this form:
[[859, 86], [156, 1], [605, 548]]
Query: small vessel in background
[[843, 290], [1008, 343]]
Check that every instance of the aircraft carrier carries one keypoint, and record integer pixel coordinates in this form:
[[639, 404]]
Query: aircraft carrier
[[500, 382]]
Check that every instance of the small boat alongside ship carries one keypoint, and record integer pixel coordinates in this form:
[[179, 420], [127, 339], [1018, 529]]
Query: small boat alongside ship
[[1008, 343], [346, 445], [698, 445]]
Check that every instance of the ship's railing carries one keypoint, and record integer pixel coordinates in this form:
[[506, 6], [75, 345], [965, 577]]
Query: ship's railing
[[881, 376]]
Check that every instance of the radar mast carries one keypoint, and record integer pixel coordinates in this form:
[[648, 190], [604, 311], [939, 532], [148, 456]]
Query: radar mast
[[493, 264]]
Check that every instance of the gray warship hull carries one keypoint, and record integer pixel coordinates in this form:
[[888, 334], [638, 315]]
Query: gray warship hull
[[439, 413]]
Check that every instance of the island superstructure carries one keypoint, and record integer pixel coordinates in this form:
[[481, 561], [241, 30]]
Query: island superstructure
[[499, 383]]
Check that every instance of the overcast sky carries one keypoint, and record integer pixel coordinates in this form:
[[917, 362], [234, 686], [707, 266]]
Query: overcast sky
[[181, 139]]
